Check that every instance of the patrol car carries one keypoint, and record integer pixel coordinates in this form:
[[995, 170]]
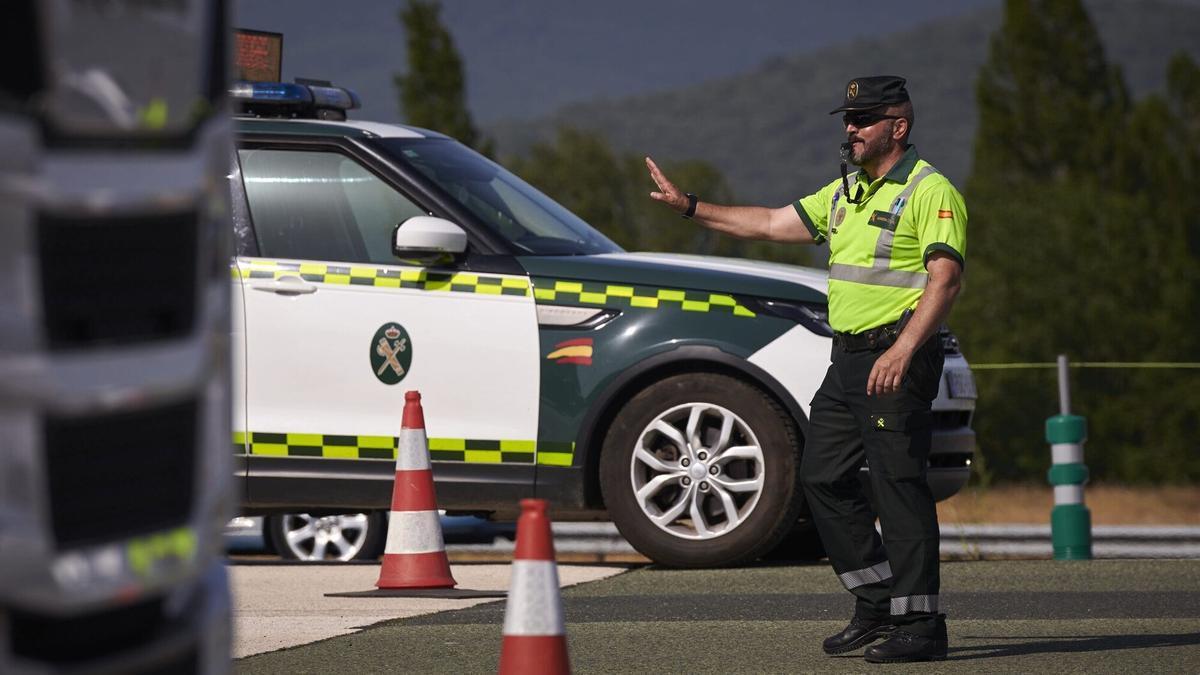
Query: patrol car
[[668, 393]]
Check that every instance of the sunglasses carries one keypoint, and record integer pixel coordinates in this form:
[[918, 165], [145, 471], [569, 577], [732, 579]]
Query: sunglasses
[[863, 120]]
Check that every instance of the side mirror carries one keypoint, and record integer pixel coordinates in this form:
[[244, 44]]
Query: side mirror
[[427, 236]]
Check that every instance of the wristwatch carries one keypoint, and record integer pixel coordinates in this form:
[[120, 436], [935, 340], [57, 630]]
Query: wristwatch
[[691, 209]]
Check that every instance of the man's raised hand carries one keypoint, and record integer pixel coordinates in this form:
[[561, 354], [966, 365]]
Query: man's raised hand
[[668, 193]]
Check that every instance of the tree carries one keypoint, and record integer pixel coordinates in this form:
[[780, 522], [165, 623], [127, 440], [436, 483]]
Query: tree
[[433, 92], [611, 192], [1046, 81], [1082, 240]]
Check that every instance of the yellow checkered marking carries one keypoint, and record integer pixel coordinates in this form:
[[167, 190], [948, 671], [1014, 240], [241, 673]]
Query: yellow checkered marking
[[471, 451], [385, 277], [557, 291]]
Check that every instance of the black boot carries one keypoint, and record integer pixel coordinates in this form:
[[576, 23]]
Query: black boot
[[903, 647], [860, 632]]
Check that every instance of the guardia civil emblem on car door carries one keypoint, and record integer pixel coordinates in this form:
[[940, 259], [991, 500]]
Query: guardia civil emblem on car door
[[391, 353]]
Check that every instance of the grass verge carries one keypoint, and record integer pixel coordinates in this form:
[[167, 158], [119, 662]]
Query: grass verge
[[1109, 504]]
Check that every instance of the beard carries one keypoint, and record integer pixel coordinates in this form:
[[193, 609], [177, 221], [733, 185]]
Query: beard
[[870, 150]]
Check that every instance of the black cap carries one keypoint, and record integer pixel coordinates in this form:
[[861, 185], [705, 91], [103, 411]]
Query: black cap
[[866, 93]]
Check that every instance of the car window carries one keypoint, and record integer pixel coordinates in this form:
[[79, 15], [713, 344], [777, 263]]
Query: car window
[[321, 205], [243, 233], [512, 208]]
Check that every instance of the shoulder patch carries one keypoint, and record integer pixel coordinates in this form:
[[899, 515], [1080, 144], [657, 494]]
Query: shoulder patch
[[945, 213]]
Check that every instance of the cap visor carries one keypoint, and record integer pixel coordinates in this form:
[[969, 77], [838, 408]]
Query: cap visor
[[858, 108]]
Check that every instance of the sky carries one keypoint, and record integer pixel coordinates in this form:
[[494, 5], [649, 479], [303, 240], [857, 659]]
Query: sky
[[525, 58]]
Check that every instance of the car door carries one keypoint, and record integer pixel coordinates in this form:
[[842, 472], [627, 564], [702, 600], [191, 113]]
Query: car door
[[337, 330]]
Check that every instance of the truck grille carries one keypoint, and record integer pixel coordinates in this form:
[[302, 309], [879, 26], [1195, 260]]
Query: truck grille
[[117, 280], [75, 639], [186, 663], [20, 31], [114, 476]]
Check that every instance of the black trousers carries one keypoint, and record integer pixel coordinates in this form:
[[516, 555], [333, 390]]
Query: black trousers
[[897, 577]]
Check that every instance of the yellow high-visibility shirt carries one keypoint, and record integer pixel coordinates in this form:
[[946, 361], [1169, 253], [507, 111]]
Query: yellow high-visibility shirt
[[879, 247]]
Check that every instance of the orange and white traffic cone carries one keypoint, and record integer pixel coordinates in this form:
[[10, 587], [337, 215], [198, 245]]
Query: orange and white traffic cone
[[535, 639], [415, 554]]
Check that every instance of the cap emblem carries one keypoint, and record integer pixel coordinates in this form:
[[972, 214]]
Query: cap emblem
[[852, 90]]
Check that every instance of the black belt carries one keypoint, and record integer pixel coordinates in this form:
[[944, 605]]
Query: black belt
[[879, 337]]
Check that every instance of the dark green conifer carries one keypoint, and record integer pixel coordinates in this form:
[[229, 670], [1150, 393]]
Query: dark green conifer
[[433, 92]]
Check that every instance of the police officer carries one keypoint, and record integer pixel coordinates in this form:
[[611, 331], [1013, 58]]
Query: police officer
[[897, 235]]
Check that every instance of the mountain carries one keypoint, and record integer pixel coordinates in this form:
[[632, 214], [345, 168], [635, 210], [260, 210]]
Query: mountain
[[527, 58], [769, 130]]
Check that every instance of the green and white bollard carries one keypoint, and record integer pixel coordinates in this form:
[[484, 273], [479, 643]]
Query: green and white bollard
[[1070, 521]]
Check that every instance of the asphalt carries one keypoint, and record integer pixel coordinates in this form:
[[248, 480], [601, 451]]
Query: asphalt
[[284, 605], [1098, 616]]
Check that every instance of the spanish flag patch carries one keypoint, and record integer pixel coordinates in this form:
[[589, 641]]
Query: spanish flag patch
[[578, 352], [945, 213]]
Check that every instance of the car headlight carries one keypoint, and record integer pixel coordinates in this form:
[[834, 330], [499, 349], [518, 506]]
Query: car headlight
[[813, 316]]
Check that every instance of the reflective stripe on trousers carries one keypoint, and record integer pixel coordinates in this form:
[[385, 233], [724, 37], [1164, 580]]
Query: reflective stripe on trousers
[[914, 603], [868, 575]]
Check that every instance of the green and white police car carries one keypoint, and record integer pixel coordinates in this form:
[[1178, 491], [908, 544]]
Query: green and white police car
[[668, 393]]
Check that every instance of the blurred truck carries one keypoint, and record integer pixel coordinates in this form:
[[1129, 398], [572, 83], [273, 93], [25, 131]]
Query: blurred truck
[[115, 475]]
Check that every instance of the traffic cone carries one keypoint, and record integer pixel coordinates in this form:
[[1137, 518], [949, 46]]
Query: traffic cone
[[535, 640], [415, 554]]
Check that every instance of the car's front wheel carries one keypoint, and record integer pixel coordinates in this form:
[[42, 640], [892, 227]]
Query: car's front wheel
[[700, 470], [344, 537]]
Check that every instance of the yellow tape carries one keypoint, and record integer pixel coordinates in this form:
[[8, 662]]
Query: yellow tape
[[1087, 364]]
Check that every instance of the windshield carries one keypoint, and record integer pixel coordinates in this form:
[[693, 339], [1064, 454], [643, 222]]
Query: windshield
[[534, 223]]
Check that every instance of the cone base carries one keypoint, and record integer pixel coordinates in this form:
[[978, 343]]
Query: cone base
[[415, 570], [534, 654], [452, 593]]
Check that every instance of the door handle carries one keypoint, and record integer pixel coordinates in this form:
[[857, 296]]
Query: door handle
[[285, 285]]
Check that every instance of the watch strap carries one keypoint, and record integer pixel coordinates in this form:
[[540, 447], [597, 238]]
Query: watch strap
[[691, 209]]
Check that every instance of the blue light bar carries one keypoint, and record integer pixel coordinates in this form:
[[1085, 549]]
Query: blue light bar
[[334, 97], [272, 92]]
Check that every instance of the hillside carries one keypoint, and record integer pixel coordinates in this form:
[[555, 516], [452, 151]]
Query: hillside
[[527, 58], [769, 131]]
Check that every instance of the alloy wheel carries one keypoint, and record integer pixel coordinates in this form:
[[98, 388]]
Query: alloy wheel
[[697, 471]]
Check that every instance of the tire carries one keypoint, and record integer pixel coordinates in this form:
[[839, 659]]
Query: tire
[[756, 471], [337, 538]]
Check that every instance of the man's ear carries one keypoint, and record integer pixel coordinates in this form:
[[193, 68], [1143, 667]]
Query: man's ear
[[899, 128]]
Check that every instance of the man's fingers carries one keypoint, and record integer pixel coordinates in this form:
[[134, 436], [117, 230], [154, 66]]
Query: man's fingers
[[884, 378], [654, 171], [658, 177]]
